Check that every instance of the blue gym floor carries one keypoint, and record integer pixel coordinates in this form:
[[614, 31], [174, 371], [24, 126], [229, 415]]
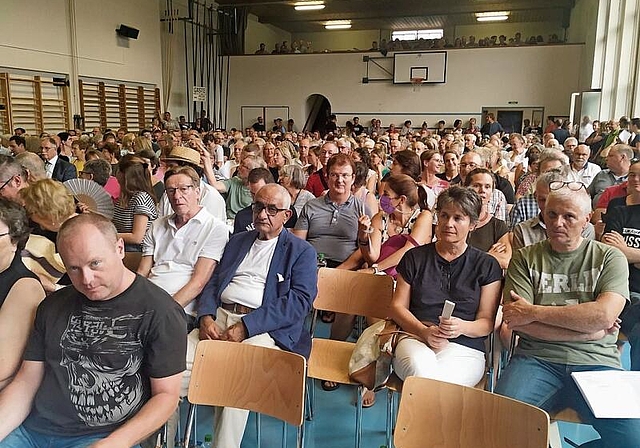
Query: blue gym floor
[[334, 420]]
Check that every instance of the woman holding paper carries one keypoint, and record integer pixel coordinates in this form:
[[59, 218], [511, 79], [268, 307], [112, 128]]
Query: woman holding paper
[[447, 349]]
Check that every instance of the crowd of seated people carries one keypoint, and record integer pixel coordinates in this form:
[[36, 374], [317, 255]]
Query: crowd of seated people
[[444, 211], [384, 46]]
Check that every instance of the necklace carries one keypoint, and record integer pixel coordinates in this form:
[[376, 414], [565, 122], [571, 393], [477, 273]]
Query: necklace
[[399, 227]]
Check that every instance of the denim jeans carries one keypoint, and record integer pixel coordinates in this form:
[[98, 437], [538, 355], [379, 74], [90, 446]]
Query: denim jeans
[[631, 328], [22, 437], [550, 387]]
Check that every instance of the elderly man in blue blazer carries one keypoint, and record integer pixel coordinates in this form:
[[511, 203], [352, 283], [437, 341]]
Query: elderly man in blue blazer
[[260, 294]]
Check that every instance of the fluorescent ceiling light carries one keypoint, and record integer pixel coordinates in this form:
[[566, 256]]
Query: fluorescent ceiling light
[[338, 25], [309, 6], [492, 16]]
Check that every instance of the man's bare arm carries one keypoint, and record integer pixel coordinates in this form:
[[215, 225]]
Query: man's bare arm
[[556, 334], [17, 398], [590, 317], [165, 393], [146, 263], [202, 272]]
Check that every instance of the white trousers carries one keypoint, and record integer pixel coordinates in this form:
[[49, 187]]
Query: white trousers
[[454, 363], [229, 423]]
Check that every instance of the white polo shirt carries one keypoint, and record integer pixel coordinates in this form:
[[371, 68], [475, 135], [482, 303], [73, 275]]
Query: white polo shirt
[[209, 199], [176, 251], [587, 173]]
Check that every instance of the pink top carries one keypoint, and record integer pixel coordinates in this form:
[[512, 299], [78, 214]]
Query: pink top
[[113, 188]]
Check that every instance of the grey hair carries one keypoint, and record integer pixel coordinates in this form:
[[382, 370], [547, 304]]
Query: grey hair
[[282, 192], [548, 177], [553, 154], [468, 200], [581, 198], [296, 174]]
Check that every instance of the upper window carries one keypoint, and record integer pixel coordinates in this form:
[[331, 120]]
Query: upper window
[[417, 34]]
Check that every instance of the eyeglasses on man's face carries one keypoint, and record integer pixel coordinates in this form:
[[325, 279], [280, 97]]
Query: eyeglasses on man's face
[[6, 182], [271, 209], [183, 189]]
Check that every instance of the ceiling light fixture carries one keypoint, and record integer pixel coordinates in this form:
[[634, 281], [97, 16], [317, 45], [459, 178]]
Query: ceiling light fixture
[[308, 6], [338, 25], [492, 16]]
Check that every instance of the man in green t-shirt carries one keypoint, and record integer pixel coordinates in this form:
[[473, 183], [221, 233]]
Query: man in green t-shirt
[[236, 188], [563, 296]]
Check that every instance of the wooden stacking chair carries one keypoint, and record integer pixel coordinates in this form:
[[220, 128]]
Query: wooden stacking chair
[[438, 414], [348, 292], [250, 377]]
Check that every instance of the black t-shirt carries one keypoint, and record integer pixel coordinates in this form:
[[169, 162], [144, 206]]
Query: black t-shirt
[[486, 236], [358, 129], [505, 186], [454, 180], [434, 280], [626, 221], [100, 355]]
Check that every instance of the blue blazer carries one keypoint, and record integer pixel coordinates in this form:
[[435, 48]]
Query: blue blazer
[[289, 291], [63, 170]]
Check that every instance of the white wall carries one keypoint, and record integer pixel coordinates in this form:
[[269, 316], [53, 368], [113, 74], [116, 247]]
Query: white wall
[[36, 36], [475, 78], [582, 28], [261, 32]]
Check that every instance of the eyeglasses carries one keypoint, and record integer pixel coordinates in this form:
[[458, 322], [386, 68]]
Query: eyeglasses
[[6, 183], [183, 190], [271, 209], [340, 176], [572, 185], [470, 165]]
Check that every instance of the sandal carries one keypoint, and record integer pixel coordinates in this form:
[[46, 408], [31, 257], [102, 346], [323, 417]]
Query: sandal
[[329, 385], [368, 398], [327, 317]]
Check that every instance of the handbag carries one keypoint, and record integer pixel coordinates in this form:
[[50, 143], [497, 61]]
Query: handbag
[[370, 363]]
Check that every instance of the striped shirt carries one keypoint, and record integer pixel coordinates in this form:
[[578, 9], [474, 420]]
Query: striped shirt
[[141, 203]]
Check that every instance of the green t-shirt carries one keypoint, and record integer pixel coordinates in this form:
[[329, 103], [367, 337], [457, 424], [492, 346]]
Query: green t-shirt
[[545, 277], [238, 196]]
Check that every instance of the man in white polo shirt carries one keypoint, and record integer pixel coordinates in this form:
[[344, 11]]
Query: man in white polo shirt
[[180, 252]]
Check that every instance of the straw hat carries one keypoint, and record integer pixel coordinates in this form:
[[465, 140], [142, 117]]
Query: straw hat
[[184, 154]]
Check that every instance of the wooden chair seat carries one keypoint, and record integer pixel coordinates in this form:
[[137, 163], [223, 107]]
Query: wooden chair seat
[[329, 360]]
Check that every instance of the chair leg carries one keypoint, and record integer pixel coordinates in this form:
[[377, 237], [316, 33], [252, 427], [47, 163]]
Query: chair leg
[[310, 399], [190, 418], [359, 391], [300, 436], [284, 435], [163, 436], [258, 429], [389, 432]]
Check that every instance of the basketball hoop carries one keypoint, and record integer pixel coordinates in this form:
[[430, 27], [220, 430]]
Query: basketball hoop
[[417, 82]]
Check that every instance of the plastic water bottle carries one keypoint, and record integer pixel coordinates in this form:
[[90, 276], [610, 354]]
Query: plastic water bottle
[[208, 439], [322, 262]]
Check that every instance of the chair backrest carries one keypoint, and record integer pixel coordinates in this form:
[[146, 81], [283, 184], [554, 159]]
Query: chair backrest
[[438, 414], [244, 376], [352, 292]]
